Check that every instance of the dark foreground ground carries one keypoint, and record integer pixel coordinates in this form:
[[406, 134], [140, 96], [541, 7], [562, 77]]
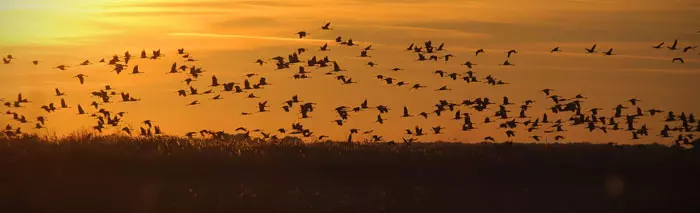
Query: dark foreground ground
[[177, 175]]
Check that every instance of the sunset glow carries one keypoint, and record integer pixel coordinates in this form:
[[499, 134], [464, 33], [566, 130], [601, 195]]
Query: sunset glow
[[227, 37]]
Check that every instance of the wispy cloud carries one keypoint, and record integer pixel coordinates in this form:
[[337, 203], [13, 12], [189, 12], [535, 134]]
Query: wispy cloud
[[211, 4], [214, 35], [255, 21], [429, 29]]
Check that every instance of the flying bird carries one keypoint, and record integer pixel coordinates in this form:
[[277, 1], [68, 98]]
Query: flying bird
[[59, 93], [326, 26], [61, 67], [81, 77], [592, 49], [136, 70], [302, 34], [609, 52], [547, 91], [405, 112], [468, 64], [80, 110], [510, 52], [214, 81], [443, 88], [507, 63], [674, 46], [659, 46]]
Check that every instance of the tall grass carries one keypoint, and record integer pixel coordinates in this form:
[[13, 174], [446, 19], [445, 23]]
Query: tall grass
[[90, 173]]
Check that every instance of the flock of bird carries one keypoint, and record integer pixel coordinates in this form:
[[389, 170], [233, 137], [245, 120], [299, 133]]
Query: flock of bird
[[562, 113]]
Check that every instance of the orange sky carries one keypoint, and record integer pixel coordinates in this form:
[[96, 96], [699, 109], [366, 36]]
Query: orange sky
[[227, 36]]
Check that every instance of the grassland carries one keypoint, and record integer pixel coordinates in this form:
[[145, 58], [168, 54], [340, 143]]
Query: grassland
[[169, 174]]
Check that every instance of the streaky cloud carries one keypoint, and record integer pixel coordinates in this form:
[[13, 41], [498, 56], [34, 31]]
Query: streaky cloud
[[215, 35]]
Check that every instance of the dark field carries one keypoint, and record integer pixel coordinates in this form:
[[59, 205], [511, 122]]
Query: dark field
[[116, 174]]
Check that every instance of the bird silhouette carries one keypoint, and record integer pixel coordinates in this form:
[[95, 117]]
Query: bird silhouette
[[302, 34], [214, 81], [469, 64], [364, 54], [447, 57], [674, 46], [380, 120], [424, 114], [441, 47], [609, 52], [326, 26], [95, 104], [547, 91], [59, 93], [510, 52], [453, 76], [81, 77], [421, 57], [437, 129], [678, 59], [439, 72], [324, 47], [592, 49], [689, 48], [658, 46], [510, 133], [136, 70], [193, 91], [336, 67], [61, 67], [633, 101], [63, 103], [126, 130], [262, 106], [507, 63], [410, 47], [443, 88], [80, 110], [348, 43]]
